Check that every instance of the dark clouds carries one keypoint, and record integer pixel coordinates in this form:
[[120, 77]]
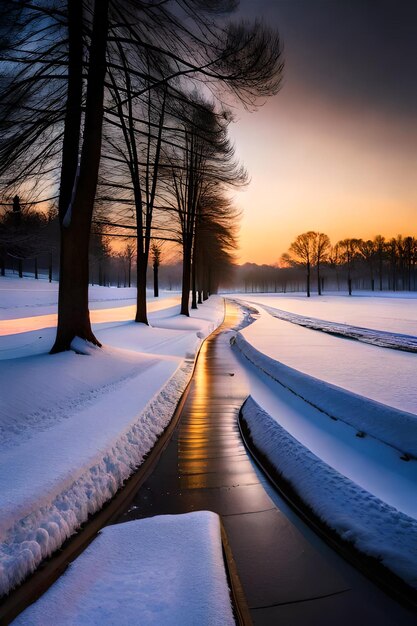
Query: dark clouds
[[360, 52]]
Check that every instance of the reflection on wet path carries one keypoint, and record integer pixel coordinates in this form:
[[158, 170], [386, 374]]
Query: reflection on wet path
[[285, 577]]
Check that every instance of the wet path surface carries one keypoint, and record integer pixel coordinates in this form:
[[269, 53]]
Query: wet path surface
[[288, 575]]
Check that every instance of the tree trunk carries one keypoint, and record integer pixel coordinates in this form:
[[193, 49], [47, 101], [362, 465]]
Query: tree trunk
[[194, 279], [50, 267], [36, 268], [318, 280], [141, 308], [186, 280], [308, 279], [200, 297], [73, 313], [20, 267], [155, 280]]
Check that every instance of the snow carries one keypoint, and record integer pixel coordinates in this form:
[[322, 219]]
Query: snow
[[74, 426], [391, 426], [375, 466], [162, 570], [23, 297], [395, 312], [374, 527], [384, 339], [386, 376]]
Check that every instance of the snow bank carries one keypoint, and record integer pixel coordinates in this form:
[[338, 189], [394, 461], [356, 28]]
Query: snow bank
[[374, 527], [389, 425], [75, 427], [161, 570], [35, 523]]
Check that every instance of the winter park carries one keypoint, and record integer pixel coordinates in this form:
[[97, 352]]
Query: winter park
[[208, 312]]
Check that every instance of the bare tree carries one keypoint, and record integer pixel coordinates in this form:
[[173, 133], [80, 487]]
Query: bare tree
[[348, 252], [302, 252], [366, 250], [156, 252], [322, 248], [73, 66]]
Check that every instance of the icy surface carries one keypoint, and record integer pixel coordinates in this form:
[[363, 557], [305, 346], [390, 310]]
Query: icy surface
[[73, 426], [163, 570], [386, 376], [374, 527]]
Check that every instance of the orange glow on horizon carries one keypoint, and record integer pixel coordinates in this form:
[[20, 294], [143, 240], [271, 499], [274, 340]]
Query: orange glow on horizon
[[340, 170]]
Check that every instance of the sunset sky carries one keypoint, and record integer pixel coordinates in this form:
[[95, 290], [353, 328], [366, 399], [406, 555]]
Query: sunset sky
[[336, 149]]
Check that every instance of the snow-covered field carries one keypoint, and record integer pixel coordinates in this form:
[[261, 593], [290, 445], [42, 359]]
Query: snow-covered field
[[161, 570], [74, 426], [386, 310], [383, 375], [338, 419]]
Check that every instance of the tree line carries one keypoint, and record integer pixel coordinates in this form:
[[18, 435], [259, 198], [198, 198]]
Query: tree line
[[118, 111], [313, 263]]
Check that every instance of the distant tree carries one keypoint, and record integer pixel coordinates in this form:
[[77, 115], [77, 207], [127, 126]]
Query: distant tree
[[367, 251], [380, 248], [348, 252], [156, 254], [322, 248], [410, 254], [128, 255], [302, 252], [214, 243], [99, 255], [393, 262], [26, 235]]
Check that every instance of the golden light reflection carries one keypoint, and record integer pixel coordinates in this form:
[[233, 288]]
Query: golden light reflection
[[209, 445], [98, 316]]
